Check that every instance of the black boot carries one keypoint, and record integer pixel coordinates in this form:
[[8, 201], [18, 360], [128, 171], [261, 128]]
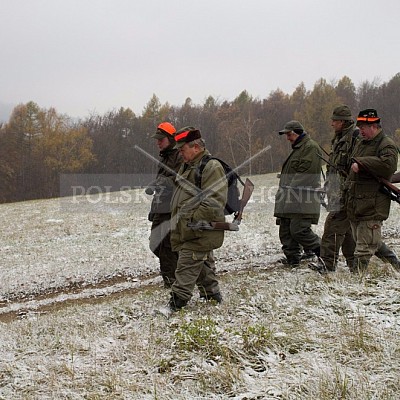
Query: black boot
[[388, 256], [290, 262], [176, 303], [350, 262], [393, 261], [317, 251], [307, 255], [359, 266], [217, 297]]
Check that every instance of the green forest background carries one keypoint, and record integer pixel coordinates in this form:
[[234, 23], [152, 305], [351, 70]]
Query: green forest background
[[38, 145]]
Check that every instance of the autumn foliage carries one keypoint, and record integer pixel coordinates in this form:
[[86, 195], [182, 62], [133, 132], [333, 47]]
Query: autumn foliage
[[37, 145]]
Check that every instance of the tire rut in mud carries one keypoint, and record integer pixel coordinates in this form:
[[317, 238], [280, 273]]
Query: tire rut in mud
[[24, 305], [74, 294]]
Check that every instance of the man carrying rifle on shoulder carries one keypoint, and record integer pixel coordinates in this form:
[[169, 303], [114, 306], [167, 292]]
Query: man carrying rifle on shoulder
[[375, 156], [191, 207], [337, 230]]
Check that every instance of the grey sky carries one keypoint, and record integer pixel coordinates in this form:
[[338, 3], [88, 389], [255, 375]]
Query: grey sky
[[83, 56]]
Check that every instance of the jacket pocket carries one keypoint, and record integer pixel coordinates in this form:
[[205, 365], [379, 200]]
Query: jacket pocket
[[364, 200]]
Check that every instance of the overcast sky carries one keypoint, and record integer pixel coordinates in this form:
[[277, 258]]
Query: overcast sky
[[84, 56]]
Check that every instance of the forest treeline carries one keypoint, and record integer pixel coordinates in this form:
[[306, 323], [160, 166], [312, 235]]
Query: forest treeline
[[38, 145]]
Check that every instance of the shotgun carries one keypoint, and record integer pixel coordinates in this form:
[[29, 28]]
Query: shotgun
[[340, 170], [387, 187], [395, 177], [228, 226], [247, 192]]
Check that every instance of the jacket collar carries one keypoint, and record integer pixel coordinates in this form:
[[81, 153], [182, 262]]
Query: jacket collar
[[198, 157], [167, 151], [300, 140]]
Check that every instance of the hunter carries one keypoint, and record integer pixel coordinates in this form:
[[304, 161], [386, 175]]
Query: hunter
[[367, 206], [192, 206]]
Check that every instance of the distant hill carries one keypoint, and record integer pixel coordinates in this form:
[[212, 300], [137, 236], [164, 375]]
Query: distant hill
[[5, 111]]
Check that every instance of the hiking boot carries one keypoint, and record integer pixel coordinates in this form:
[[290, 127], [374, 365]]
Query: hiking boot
[[387, 255], [393, 261], [176, 303], [359, 266], [318, 266], [283, 261], [289, 263], [307, 255], [216, 297]]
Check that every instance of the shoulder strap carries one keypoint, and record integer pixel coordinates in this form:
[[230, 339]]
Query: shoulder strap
[[229, 171], [231, 174], [354, 136], [200, 169]]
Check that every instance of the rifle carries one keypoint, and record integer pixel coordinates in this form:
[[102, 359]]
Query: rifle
[[228, 226], [199, 195], [213, 226], [387, 187], [395, 177], [247, 192], [340, 170]]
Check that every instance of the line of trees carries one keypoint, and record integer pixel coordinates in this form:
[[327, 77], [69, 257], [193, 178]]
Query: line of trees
[[38, 145]]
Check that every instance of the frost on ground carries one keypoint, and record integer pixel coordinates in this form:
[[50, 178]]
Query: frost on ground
[[280, 334]]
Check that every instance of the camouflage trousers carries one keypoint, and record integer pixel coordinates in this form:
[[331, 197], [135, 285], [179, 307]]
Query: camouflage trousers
[[337, 235], [195, 268], [160, 245], [368, 238]]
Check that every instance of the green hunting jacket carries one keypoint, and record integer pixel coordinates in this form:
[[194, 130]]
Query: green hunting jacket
[[364, 198], [342, 146], [300, 176], [190, 207]]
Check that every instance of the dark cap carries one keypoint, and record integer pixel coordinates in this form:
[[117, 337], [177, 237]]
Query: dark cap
[[165, 129], [368, 116], [341, 113], [294, 126], [186, 135]]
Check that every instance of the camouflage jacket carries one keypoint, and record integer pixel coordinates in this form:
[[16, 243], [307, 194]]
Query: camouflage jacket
[[300, 176], [364, 199], [342, 146], [191, 205]]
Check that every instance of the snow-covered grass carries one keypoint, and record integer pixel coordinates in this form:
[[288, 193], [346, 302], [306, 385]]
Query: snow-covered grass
[[78, 288]]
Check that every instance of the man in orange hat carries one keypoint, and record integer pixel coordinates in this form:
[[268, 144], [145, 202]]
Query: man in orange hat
[[194, 206], [161, 189], [337, 230], [367, 205]]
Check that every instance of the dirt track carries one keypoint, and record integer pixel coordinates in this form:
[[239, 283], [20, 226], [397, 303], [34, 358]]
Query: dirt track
[[24, 305], [74, 294]]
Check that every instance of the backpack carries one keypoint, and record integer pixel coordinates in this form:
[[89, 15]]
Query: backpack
[[233, 201]]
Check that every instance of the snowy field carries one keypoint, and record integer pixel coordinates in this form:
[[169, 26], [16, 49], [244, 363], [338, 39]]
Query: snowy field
[[78, 286]]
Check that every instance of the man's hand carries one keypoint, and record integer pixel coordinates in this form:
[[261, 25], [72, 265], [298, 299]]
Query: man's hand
[[355, 168]]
